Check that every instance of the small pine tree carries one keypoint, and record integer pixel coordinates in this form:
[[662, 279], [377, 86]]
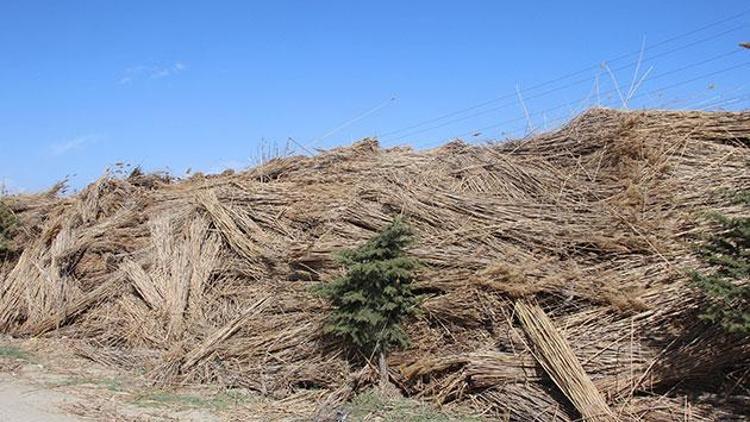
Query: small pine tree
[[728, 286], [374, 297]]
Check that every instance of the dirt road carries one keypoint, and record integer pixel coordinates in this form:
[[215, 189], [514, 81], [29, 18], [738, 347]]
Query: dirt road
[[24, 402], [42, 381]]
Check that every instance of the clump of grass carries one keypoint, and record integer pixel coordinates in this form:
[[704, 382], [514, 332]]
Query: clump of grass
[[372, 405]]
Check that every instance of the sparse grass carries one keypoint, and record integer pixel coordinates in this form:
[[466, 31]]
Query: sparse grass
[[155, 398], [160, 398], [13, 352], [111, 384], [372, 405]]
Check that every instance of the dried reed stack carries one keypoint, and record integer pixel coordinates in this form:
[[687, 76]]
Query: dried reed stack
[[210, 279]]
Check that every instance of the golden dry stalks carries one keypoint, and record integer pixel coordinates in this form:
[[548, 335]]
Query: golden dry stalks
[[554, 354]]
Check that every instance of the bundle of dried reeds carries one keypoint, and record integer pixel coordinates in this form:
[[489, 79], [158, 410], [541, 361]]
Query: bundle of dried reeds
[[561, 364]]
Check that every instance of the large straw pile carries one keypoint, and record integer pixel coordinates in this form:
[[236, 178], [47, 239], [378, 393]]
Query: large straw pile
[[555, 270]]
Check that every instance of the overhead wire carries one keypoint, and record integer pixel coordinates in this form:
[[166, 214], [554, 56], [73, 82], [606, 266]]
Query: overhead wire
[[545, 93], [586, 69], [572, 103]]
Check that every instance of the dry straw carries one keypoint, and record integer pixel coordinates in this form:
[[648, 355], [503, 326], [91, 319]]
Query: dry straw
[[209, 279]]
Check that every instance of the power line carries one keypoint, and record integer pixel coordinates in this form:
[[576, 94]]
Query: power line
[[523, 128], [349, 122], [575, 73], [694, 79], [724, 102], [559, 106], [611, 91], [539, 95], [699, 98]]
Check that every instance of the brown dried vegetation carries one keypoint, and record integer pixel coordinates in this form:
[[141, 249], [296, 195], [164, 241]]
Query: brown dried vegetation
[[209, 279]]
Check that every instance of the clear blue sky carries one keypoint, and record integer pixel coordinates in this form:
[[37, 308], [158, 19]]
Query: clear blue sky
[[173, 85]]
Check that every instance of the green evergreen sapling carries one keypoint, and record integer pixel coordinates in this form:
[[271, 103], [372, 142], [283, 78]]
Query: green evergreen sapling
[[371, 301], [727, 287]]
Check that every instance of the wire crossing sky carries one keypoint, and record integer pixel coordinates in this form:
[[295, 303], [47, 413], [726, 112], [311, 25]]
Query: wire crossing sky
[[214, 85]]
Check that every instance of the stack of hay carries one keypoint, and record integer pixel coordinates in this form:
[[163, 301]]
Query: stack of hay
[[555, 269]]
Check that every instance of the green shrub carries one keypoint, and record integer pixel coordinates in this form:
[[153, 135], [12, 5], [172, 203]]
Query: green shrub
[[7, 224], [372, 300], [727, 286]]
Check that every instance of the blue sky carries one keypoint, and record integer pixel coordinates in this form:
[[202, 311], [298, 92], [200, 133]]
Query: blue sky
[[210, 85]]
